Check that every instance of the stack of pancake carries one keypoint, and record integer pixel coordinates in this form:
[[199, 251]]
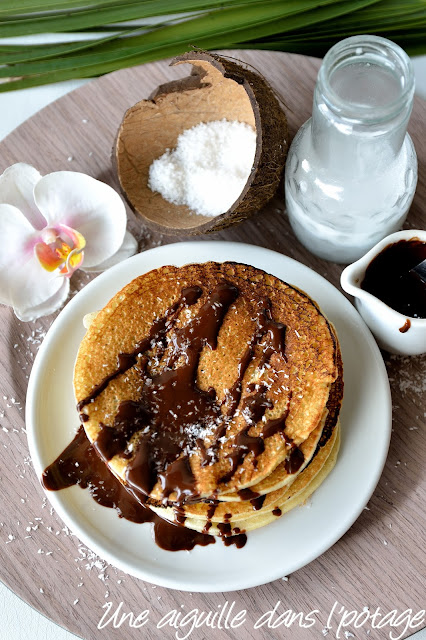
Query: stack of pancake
[[212, 391]]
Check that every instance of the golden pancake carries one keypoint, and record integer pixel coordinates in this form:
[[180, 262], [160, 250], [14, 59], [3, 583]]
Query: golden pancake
[[281, 477], [202, 380], [233, 518]]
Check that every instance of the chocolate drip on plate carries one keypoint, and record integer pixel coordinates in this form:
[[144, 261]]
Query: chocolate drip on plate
[[79, 464], [231, 536], [238, 539]]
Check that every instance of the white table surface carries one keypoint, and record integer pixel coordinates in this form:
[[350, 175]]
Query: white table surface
[[19, 621]]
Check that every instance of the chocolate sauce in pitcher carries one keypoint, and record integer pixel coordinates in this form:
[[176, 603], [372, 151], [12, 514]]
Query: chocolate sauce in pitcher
[[389, 277]]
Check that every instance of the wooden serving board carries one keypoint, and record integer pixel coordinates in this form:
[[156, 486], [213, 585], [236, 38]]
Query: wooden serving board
[[380, 562]]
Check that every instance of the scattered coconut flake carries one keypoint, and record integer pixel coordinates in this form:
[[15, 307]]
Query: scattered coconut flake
[[410, 373]]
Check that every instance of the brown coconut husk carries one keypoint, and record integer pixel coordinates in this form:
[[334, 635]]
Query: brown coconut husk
[[217, 88]]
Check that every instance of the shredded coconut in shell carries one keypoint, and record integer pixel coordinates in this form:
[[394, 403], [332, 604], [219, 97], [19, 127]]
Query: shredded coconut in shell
[[209, 167]]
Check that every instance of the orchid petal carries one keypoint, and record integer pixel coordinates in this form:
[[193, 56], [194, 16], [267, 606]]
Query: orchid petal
[[127, 249], [33, 290], [17, 239], [27, 313], [17, 188], [86, 205], [24, 284]]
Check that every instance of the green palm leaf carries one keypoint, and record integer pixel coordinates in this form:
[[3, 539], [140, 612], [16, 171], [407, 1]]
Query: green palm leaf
[[169, 28]]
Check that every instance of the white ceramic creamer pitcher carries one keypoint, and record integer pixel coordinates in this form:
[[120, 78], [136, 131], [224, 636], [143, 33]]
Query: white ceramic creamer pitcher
[[394, 331]]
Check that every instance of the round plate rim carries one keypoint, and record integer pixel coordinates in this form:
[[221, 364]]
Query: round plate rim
[[58, 499]]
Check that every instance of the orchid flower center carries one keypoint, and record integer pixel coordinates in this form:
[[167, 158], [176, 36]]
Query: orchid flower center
[[60, 248]]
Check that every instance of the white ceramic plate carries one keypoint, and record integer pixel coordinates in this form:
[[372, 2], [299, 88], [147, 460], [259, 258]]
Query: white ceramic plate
[[305, 532]]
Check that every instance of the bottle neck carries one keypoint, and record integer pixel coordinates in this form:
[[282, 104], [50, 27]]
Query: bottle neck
[[362, 104]]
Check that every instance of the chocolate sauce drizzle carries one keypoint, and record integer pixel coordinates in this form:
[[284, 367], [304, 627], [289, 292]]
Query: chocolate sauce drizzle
[[228, 534], [255, 405], [169, 416], [257, 503], [158, 332], [175, 410], [79, 464], [248, 494], [210, 513]]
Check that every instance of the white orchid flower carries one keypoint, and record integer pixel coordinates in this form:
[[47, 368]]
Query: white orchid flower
[[49, 227]]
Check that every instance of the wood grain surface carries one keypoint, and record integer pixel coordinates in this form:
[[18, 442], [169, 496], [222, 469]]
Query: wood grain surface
[[379, 562]]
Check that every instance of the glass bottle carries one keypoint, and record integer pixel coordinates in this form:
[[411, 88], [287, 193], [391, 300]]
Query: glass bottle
[[351, 171]]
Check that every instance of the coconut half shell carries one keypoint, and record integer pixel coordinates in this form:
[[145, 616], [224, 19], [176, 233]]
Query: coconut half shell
[[217, 88]]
